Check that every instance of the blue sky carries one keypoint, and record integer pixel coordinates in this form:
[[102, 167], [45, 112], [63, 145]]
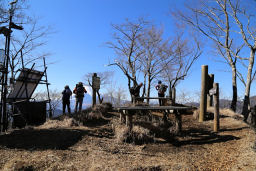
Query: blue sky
[[83, 26]]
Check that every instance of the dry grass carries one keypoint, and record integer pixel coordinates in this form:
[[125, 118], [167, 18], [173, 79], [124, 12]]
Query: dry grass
[[97, 148], [96, 115], [65, 122], [138, 135]]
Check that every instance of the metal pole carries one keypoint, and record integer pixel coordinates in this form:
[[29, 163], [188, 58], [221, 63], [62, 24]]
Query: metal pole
[[5, 121], [203, 105], [47, 86], [3, 85]]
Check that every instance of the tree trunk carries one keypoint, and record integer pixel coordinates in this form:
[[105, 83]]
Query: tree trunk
[[129, 86], [170, 90], [234, 86], [246, 103], [173, 96], [148, 89], [144, 86]]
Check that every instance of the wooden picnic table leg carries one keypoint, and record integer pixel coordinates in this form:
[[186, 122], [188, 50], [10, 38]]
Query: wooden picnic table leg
[[122, 116], [165, 117], [129, 120], [178, 122]]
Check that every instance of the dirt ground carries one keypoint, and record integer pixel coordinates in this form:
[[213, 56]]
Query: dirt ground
[[61, 145]]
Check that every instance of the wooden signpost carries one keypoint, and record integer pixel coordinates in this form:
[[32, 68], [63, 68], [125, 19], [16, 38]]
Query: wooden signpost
[[209, 95]]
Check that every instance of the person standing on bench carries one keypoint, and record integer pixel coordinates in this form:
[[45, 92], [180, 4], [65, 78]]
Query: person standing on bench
[[161, 88], [135, 92]]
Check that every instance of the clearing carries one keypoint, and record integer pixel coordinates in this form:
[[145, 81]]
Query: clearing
[[63, 145]]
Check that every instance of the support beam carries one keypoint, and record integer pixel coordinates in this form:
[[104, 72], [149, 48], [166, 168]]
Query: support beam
[[178, 122]]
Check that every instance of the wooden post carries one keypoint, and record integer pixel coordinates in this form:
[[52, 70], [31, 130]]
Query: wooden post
[[129, 120], [122, 116], [93, 90], [210, 86], [178, 122], [216, 125], [165, 117], [203, 105]]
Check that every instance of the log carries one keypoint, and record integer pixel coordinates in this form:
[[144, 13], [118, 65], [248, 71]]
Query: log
[[203, 100]]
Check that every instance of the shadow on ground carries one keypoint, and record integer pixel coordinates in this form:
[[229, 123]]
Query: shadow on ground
[[200, 137], [32, 139], [192, 136]]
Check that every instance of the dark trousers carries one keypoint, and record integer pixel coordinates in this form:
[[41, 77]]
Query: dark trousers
[[79, 101], [160, 100], [64, 104]]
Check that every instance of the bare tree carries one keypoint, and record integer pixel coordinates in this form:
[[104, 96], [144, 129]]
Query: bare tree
[[25, 43], [104, 80], [183, 53], [126, 46], [151, 42], [247, 32], [55, 96], [212, 19], [115, 94]]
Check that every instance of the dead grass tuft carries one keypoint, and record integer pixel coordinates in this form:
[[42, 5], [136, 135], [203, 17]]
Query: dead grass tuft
[[64, 123], [223, 112], [196, 114], [138, 135], [95, 115]]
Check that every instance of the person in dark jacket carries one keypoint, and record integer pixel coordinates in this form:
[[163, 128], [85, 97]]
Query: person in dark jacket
[[135, 91], [161, 88], [79, 91], [66, 93]]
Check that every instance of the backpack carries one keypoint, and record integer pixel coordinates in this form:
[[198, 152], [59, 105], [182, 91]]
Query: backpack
[[162, 89], [66, 94], [80, 91]]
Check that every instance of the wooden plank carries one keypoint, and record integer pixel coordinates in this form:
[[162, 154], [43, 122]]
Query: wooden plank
[[160, 114], [153, 108]]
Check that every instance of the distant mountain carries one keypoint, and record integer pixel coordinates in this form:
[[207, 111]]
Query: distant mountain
[[224, 103], [86, 103]]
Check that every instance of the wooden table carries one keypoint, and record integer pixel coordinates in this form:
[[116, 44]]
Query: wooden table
[[127, 112]]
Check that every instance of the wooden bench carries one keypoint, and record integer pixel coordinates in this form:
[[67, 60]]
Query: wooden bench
[[126, 113]]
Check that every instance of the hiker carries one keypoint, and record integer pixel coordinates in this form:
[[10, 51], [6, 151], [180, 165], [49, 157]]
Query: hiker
[[135, 91], [161, 88], [66, 93], [79, 91]]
